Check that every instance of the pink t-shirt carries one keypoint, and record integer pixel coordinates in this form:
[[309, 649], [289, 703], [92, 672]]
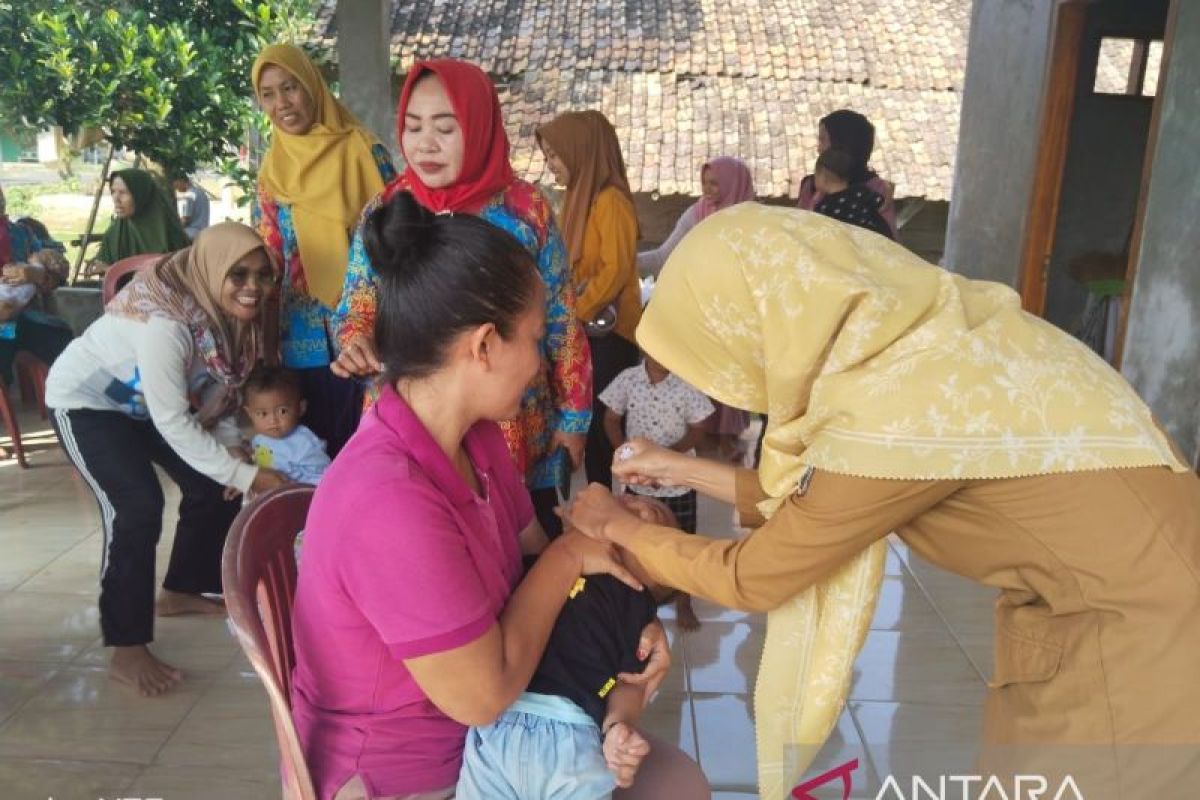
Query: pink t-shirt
[[401, 559]]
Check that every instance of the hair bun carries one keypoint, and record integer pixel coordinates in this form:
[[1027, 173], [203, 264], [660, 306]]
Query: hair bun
[[397, 233]]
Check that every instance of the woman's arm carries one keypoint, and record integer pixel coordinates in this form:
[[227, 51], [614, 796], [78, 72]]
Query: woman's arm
[[566, 344], [808, 193], [691, 440], [163, 350], [646, 464], [533, 539], [474, 683], [266, 217], [806, 539], [354, 318], [607, 271], [650, 262], [614, 428]]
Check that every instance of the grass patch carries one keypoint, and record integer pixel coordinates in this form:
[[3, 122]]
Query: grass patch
[[62, 208]]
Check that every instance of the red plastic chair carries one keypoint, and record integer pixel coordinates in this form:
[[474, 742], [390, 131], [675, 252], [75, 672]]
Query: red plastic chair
[[31, 374], [120, 273], [9, 417], [258, 570]]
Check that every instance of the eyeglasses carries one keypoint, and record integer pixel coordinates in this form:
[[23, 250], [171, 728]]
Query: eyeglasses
[[240, 276]]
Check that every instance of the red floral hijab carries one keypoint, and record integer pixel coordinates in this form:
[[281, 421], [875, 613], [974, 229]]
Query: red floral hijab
[[486, 170]]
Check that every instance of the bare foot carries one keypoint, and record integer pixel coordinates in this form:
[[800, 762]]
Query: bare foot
[[685, 615], [136, 666], [174, 604]]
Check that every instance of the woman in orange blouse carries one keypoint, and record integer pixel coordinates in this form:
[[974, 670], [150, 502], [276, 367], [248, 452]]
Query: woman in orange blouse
[[601, 229]]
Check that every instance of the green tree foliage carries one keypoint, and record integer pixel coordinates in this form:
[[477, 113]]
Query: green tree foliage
[[168, 79]]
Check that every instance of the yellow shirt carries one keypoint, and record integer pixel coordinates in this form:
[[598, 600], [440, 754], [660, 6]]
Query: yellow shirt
[[606, 270]]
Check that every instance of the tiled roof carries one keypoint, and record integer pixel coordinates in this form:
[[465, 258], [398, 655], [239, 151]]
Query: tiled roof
[[687, 80]]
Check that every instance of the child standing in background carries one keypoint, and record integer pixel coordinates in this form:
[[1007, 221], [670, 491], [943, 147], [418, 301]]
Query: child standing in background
[[275, 406], [648, 401]]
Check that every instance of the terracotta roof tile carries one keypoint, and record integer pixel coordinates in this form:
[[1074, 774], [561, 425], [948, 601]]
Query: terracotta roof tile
[[687, 80]]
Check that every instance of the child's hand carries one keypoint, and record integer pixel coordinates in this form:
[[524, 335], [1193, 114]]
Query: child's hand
[[231, 493], [624, 750]]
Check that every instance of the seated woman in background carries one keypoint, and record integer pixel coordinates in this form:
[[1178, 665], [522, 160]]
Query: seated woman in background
[[29, 271], [38, 230], [145, 221], [855, 134]]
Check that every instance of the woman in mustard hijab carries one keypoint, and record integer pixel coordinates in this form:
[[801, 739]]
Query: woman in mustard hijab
[[321, 169], [904, 398]]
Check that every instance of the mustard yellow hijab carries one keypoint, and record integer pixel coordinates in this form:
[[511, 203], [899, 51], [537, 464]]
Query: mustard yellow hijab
[[326, 175], [871, 362]]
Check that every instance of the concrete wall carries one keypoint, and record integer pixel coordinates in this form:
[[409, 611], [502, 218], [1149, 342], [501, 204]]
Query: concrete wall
[[1162, 350], [997, 145], [364, 64]]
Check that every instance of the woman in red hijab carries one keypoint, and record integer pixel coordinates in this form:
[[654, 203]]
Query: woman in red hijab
[[452, 137]]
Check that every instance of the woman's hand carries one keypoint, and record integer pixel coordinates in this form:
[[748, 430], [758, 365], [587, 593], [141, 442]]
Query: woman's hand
[[266, 479], [597, 514], [653, 645], [640, 462], [358, 359], [596, 558], [241, 452], [573, 443]]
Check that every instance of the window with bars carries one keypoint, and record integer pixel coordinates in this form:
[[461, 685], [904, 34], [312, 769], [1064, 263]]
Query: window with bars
[[1128, 67]]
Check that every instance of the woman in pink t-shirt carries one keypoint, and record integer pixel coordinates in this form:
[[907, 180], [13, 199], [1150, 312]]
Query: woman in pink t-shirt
[[412, 620], [854, 133]]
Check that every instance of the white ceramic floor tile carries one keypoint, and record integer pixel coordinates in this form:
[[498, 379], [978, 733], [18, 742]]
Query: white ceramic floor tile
[[915, 667], [725, 736], [906, 739], [670, 717], [904, 606], [20, 681], [39, 779], [83, 715], [723, 657], [46, 627], [76, 571], [199, 645], [200, 783], [229, 728]]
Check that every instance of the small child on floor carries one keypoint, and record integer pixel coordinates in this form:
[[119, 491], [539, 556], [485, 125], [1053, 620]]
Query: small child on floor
[[274, 406], [648, 401], [571, 735], [855, 204]]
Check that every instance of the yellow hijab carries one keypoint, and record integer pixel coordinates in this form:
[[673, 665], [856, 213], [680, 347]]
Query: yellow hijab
[[871, 362], [326, 175]]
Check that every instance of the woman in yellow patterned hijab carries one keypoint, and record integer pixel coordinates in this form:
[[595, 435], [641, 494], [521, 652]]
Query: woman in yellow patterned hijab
[[903, 398]]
